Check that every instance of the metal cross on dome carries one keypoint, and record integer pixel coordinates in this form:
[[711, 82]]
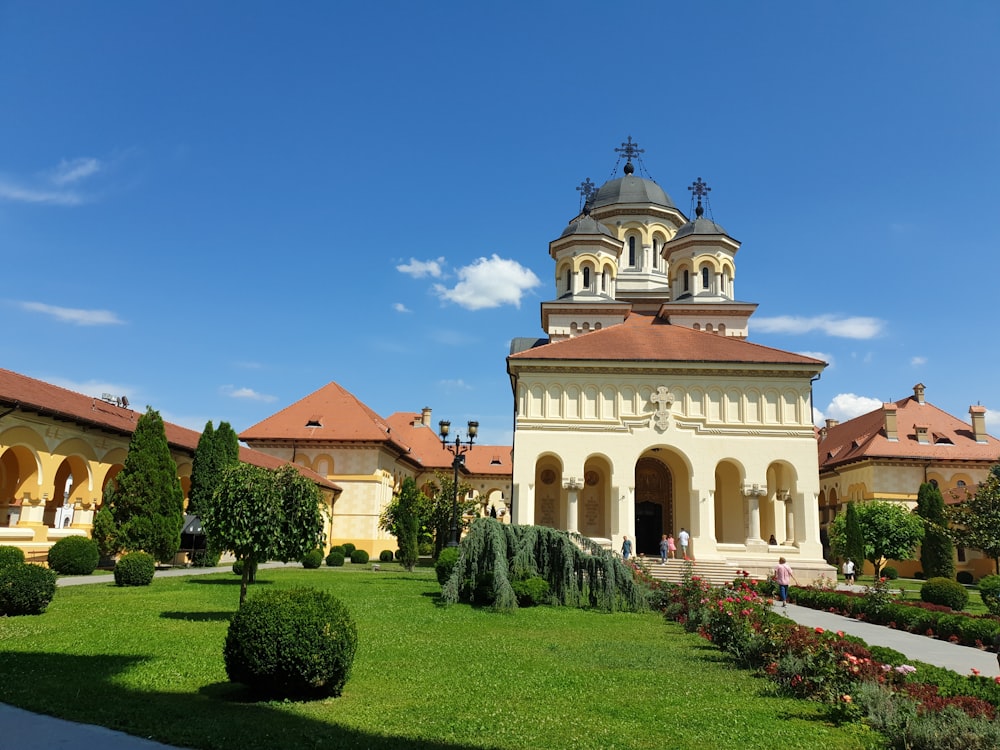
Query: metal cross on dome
[[629, 149], [586, 189], [700, 190]]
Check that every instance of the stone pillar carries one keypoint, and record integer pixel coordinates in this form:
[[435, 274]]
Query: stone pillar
[[753, 494], [789, 520], [572, 485], [523, 500]]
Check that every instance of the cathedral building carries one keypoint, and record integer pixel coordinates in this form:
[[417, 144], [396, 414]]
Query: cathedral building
[[645, 410]]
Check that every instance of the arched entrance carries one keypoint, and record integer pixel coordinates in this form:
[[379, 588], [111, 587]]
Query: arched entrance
[[654, 504]]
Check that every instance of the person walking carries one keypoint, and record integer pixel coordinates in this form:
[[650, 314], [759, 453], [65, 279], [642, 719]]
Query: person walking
[[783, 576], [664, 548], [849, 570], [684, 538], [626, 548], [671, 546]]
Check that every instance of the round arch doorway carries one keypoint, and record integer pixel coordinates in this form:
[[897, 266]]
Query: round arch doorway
[[654, 505]]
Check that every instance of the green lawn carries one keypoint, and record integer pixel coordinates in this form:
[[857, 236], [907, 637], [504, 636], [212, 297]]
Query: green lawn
[[149, 661]]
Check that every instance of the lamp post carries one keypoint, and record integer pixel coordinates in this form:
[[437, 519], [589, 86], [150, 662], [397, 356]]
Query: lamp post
[[458, 448]]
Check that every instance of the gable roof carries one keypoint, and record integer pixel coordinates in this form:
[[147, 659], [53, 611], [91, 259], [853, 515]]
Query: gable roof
[[865, 437], [647, 338], [28, 394], [426, 449]]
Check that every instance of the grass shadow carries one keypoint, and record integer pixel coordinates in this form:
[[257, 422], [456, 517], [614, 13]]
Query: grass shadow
[[235, 581], [198, 616]]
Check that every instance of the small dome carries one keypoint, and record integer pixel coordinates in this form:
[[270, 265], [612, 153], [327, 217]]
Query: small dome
[[701, 225], [631, 189], [587, 225]]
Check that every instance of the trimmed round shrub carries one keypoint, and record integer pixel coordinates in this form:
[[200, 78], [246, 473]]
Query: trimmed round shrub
[[425, 548], [398, 554], [11, 556], [989, 590], [445, 564], [313, 559], [385, 555], [890, 573], [204, 558], [295, 643], [349, 548], [135, 569], [531, 592], [965, 578], [945, 592], [359, 556], [920, 575], [336, 558], [74, 556], [26, 589]]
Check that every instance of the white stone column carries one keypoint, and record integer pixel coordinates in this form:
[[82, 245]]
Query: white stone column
[[789, 520], [627, 512], [572, 485], [753, 492], [523, 500]]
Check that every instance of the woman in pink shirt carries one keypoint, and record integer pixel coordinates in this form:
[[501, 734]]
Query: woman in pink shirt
[[783, 576]]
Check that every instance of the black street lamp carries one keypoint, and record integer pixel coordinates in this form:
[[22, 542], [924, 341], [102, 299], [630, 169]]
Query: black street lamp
[[458, 449]]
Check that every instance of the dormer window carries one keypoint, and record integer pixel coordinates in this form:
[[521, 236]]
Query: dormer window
[[314, 422]]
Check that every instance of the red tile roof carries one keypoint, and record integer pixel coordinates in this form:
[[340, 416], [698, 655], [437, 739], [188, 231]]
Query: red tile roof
[[21, 392], [426, 448], [864, 437], [647, 338]]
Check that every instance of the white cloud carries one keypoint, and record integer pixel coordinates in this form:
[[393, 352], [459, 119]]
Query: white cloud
[[455, 385], [246, 393], [400, 307], [992, 421], [489, 282], [74, 170], [849, 328], [52, 186], [418, 269], [828, 358], [918, 361], [846, 406], [818, 418], [73, 315]]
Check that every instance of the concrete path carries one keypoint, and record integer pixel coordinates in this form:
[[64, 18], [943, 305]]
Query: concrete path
[[28, 731]]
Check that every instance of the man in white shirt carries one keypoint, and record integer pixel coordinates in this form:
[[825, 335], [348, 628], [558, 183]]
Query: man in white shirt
[[683, 538]]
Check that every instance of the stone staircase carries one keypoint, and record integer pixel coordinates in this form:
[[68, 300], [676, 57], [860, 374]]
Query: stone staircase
[[716, 572]]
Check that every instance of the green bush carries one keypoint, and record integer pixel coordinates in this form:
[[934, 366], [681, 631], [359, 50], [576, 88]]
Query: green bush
[[531, 592], [204, 558], [135, 569], [385, 555], [425, 548], [296, 643], [397, 554], [11, 556], [26, 589], [313, 559], [946, 592], [359, 556], [445, 564], [348, 548], [989, 590], [965, 578], [336, 558], [890, 573], [74, 556]]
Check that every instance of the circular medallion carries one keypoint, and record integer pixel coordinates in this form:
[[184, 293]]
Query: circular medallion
[[591, 478], [548, 476]]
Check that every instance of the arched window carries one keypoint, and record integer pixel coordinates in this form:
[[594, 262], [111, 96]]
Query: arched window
[[704, 277], [960, 483], [687, 280], [656, 253], [586, 277], [631, 251], [604, 280], [568, 280], [934, 483]]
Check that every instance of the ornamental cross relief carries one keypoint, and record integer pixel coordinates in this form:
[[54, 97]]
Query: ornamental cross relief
[[663, 399]]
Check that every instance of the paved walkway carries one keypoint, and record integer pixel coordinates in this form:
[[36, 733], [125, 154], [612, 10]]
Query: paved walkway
[[28, 731]]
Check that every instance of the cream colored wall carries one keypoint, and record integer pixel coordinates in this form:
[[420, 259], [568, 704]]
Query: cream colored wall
[[750, 422]]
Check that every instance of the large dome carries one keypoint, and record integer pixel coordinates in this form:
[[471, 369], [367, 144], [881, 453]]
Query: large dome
[[631, 189], [587, 225]]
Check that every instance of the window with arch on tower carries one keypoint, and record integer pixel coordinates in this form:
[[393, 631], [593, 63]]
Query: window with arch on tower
[[569, 280], [631, 251], [704, 277], [586, 277], [687, 280]]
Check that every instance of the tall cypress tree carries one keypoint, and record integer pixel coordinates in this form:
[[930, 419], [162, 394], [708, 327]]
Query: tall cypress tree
[[205, 471], [855, 543], [148, 503], [228, 445], [937, 553]]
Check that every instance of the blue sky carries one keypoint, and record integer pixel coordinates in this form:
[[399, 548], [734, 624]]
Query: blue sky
[[217, 208]]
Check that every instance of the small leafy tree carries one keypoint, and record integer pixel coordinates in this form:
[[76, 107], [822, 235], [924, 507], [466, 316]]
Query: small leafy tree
[[442, 509], [147, 503], [260, 515], [854, 544], [976, 522], [104, 531], [889, 530], [937, 553], [409, 504]]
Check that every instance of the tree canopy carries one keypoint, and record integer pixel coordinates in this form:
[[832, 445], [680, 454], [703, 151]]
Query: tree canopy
[[976, 522], [405, 524], [146, 501], [937, 553], [259, 515], [433, 513], [889, 530], [217, 450]]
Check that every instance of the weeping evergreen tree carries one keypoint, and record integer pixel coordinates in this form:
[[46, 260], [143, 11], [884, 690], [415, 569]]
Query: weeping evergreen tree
[[493, 555], [147, 503], [937, 553]]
